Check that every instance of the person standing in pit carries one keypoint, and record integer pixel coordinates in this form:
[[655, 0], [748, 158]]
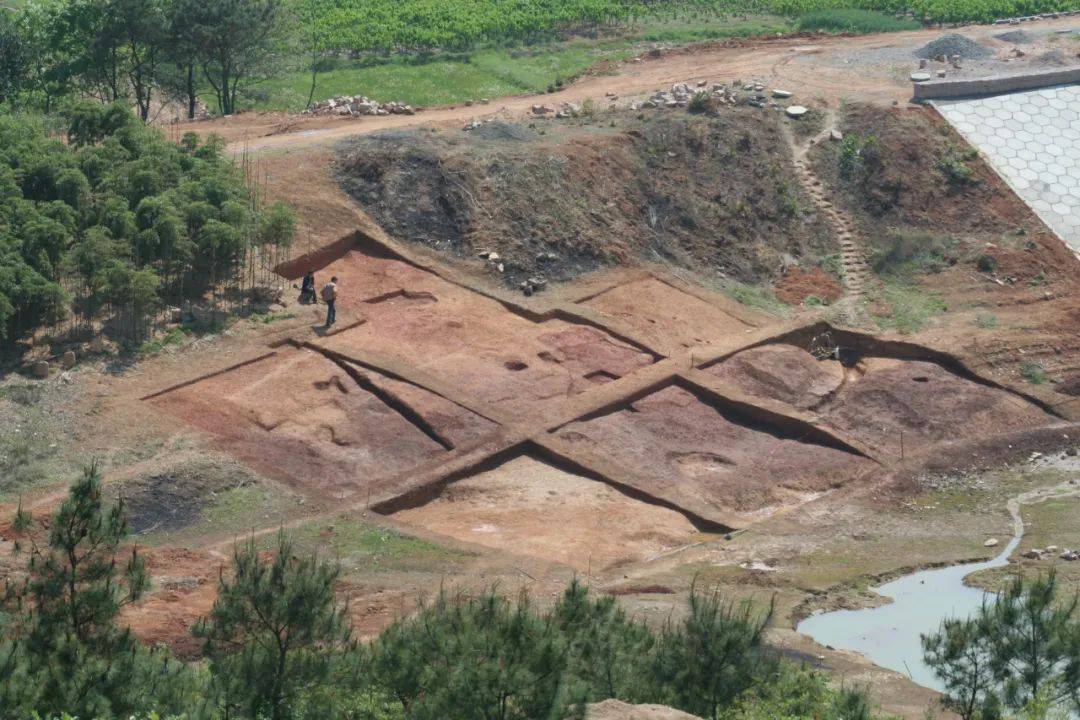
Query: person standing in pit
[[307, 288], [329, 296]]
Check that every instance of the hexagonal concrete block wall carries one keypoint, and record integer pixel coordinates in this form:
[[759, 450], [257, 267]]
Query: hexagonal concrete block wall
[[1032, 139]]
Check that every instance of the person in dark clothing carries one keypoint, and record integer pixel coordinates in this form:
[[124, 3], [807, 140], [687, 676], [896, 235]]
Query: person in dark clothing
[[329, 296], [307, 288]]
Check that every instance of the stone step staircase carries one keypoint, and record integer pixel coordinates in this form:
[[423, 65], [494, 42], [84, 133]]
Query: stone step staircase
[[856, 273]]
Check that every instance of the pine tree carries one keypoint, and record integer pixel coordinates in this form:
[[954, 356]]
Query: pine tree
[[608, 652], [1019, 651], [274, 631], [60, 646], [705, 662], [484, 658]]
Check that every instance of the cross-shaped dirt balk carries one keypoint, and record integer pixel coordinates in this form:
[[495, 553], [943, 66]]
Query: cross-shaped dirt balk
[[631, 401]]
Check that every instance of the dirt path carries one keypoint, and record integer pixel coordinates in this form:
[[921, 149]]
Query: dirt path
[[819, 68]]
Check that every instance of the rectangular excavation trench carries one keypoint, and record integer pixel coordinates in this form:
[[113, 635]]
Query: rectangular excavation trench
[[710, 457], [505, 358], [327, 427], [895, 397], [665, 316], [527, 502]]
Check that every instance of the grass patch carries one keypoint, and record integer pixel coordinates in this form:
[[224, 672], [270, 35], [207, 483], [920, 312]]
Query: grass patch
[[235, 511], [267, 318], [755, 296], [175, 336], [449, 78], [905, 308], [437, 81], [909, 253], [358, 545], [850, 20], [985, 321]]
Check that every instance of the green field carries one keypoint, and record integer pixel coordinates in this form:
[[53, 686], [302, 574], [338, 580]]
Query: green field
[[447, 78]]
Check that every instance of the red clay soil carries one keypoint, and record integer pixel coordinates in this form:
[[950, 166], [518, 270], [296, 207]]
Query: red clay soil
[[699, 458], [666, 316], [468, 341], [881, 400], [184, 587], [798, 284], [528, 507], [301, 417]]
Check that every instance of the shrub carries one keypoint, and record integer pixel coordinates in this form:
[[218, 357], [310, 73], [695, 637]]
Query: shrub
[[853, 20], [1033, 372], [986, 263]]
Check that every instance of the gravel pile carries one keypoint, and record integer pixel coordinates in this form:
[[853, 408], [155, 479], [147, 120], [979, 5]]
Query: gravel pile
[[1016, 37], [949, 45]]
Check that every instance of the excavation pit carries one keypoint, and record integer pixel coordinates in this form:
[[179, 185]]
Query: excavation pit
[[665, 316], [703, 457], [895, 405], [529, 507], [326, 427], [471, 343]]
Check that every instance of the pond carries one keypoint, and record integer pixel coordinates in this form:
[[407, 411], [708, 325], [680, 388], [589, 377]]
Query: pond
[[889, 635]]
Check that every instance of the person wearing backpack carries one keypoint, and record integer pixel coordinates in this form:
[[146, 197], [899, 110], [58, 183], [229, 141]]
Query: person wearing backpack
[[329, 296]]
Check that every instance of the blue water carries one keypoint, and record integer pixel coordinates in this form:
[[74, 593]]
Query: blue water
[[889, 635]]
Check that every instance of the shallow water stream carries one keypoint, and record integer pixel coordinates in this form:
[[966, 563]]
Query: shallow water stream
[[889, 635]]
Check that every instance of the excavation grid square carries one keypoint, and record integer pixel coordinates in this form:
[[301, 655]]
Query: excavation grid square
[[1032, 139]]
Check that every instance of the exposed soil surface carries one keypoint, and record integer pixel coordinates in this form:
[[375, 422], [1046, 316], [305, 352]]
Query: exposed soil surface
[[528, 507], [712, 461], [884, 402], [665, 314], [709, 193], [299, 415], [499, 358]]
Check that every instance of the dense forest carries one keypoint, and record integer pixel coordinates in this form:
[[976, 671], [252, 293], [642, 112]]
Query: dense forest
[[117, 219]]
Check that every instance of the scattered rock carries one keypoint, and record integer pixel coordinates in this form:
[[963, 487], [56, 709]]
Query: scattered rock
[[992, 542], [67, 360], [920, 76], [41, 369], [781, 93], [836, 136], [359, 105], [796, 111]]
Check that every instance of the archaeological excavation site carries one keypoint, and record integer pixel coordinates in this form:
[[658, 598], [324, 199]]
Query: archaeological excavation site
[[796, 319]]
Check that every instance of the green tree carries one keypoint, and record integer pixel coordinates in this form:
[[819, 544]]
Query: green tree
[[707, 660], [608, 652], [274, 631], [60, 645], [235, 39], [1020, 649], [959, 654], [16, 57], [484, 658]]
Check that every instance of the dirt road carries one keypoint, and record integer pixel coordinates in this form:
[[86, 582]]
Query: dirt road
[[822, 68]]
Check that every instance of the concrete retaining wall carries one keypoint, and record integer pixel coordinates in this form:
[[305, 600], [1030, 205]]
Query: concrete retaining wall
[[995, 84]]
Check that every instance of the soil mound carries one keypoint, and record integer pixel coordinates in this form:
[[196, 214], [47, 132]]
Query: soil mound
[[953, 44], [1016, 37], [560, 198]]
